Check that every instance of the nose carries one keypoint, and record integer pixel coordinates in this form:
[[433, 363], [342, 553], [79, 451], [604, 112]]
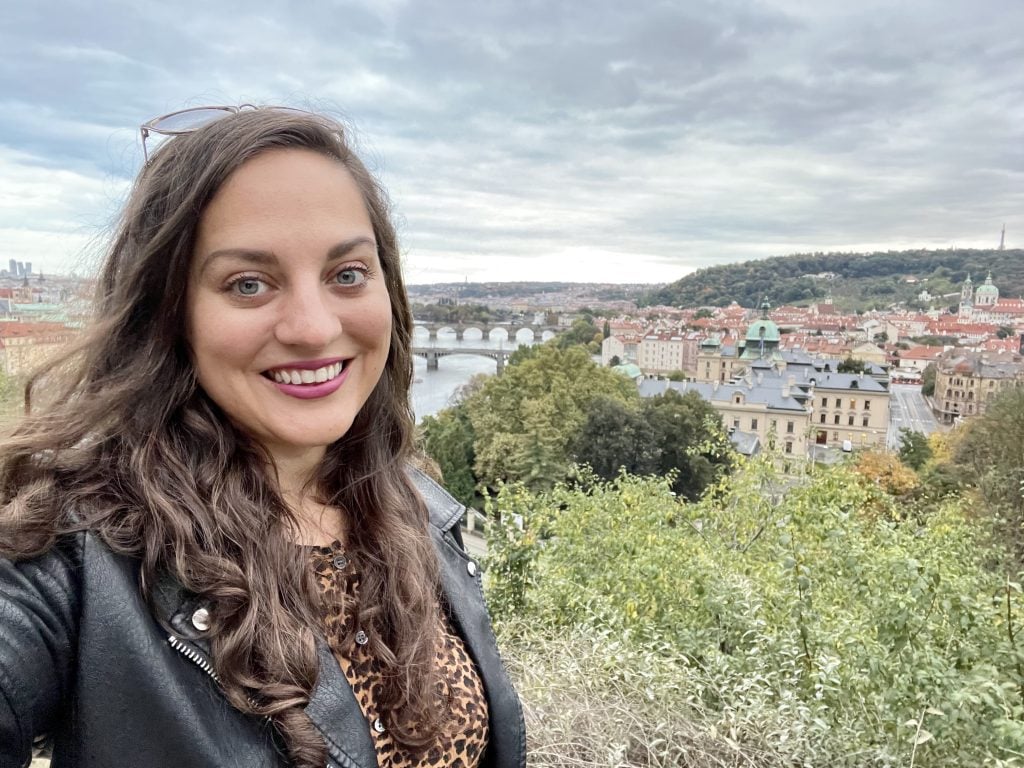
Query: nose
[[308, 320]]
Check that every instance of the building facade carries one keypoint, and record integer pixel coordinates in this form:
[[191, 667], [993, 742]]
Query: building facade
[[967, 382]]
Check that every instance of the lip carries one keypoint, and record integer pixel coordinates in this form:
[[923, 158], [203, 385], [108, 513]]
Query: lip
[[311, 391]]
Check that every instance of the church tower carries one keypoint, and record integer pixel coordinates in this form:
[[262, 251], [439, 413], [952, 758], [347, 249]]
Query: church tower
[[966, 299]]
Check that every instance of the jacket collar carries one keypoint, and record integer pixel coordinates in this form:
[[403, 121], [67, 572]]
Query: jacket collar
[[443, 511]]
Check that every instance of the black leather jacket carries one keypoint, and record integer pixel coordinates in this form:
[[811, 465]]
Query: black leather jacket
[[84, 659]]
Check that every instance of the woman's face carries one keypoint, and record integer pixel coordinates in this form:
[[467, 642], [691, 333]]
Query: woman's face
[[289, 319]]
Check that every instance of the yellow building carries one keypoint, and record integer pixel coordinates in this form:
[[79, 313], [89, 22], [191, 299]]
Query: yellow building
[[849, 408], [967, 382]]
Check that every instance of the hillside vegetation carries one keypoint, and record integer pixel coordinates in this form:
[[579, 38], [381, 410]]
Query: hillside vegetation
[[861, 280], [867, 614]]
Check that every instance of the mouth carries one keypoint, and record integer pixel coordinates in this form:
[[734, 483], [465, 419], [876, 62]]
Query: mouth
[[305, 374]]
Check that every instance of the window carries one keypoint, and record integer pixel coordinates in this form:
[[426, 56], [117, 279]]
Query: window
[[853, 404], [836, 419], [789, 427], [849, 421], [753, 425], [789, 446], [774, 423], [835, 437], [864, 421], [824, 402], [823, 418], [867, 405], [735, 423]]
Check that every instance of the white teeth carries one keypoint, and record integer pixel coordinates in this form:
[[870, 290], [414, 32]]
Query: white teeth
[[305, 376]]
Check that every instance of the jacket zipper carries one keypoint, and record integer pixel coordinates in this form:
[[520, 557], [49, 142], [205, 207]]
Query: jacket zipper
[[193, 655], [200, 661]]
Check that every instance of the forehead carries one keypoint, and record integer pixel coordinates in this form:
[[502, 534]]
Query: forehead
[[285, 193]]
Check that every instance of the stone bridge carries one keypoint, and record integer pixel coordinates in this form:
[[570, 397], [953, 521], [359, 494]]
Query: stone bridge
[[433, 354], [537, 332]]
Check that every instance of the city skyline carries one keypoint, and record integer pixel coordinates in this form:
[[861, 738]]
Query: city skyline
[[554, 142]]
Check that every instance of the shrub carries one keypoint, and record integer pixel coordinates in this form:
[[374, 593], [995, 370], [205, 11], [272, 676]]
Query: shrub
[[824, 634]]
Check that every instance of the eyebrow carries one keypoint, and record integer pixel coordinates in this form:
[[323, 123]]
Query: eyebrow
[[269, 258]]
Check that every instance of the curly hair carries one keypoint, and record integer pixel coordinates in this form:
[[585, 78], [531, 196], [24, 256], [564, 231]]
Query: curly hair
[[128, 446]]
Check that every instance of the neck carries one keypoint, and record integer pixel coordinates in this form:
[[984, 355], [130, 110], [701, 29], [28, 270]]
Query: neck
[[318, 523]]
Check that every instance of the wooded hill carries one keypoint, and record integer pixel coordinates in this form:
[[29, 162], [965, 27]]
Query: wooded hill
[[858, 281]]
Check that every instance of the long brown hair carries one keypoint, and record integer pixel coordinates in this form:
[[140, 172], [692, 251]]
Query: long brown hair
[[129, 447]]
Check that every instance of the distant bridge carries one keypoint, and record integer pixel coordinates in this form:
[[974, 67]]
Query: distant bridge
[[433, 354], [543, 332]]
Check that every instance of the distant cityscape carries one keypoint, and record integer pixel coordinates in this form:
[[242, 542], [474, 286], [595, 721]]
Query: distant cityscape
[[812, 380]]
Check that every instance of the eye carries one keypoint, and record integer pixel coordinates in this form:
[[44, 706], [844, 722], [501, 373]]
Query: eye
[[351, 276], [247, 286]]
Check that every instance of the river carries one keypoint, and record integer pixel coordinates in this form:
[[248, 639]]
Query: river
[[433, 390]]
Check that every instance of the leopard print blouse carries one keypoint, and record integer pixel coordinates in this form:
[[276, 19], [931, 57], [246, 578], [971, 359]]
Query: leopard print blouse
[[463, 738]]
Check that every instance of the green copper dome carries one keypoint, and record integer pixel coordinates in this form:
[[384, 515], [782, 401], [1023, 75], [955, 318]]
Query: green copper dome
[[987, 289], [763, 329]]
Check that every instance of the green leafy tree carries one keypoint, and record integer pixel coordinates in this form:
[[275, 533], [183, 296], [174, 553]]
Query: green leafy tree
[[991, 452], [525, 419], [448, 439], [914, 449], [928, 380], [853, 365], [582, 332], [693, 447], [615, 436]]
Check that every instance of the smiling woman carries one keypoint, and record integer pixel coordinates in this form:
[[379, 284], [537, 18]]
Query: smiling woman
[[213, 547]]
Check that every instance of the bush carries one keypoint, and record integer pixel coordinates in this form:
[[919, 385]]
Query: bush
[[815, 631]]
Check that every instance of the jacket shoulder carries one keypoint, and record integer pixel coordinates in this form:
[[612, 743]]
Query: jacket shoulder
[[443, 509]]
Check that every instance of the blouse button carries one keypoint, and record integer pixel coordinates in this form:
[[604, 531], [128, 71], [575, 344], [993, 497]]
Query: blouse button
[[378, 726], [361, 638], [201, 619], [471, 568], [340, 561]]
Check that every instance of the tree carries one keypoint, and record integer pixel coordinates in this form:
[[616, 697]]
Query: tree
[[525, 419], [614, 361], [692, 444], [853, 365], [616, 436], [914, 448], [703, 313], [928, 380], [991, 451], [582, 332], [448, 439], [606, 330]]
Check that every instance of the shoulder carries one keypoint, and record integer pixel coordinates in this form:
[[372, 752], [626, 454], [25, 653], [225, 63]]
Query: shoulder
[[443, 510]]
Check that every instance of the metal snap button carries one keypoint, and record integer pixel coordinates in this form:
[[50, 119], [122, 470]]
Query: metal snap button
[[378, 726], [471, 567], [362, 638], [201, 619], [340, 562]]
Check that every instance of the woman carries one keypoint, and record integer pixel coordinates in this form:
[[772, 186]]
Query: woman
[[214, 550]]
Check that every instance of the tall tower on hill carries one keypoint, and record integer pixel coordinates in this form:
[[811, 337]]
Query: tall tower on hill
[[1002, 239]]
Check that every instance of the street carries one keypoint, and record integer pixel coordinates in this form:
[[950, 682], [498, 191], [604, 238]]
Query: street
[[908, 410]]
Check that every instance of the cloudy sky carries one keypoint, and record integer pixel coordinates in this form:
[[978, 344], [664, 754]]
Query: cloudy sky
[[555, 140]]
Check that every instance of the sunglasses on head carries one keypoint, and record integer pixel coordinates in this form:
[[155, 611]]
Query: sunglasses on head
[[192, 119]]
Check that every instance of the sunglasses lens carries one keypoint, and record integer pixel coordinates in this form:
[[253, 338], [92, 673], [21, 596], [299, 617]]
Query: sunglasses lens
[[189, 119]]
